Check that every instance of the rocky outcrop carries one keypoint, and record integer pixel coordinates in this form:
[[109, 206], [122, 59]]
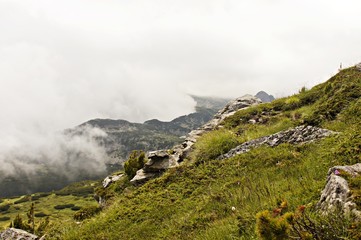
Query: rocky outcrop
[[161, 160], [17, 234], [337, 195], [158, 162], [300, 134], [231, 108], [111, 179]]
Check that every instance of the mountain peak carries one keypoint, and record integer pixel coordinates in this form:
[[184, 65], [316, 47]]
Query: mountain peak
[[265, 97]]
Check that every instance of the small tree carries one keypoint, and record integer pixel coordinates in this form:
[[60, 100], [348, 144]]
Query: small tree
[[30, 225], [31, 219], [135, 162]]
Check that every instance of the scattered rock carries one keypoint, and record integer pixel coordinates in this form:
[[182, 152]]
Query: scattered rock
[[17, 234], [111, 179], [300, 134], [337, 195]]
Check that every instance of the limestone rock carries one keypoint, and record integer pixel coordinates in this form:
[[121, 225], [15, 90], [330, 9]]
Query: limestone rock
[[159, 161], [337, 194], [17, 234], [142, 177], [111, 179], [300, 134]]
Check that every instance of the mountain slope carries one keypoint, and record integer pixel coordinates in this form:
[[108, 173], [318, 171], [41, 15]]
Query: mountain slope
[[218, 199], [123, 136]]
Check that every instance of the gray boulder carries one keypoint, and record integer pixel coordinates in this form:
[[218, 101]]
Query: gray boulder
[[337, 195], [111, 179], [141, 177], [17, 234]]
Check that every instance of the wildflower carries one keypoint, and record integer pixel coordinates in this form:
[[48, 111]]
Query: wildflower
[[233, 209], [337, 172], [301, 208]]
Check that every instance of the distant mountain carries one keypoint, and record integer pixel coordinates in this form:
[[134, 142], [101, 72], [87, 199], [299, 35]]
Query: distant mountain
[[123, 136], [265, 97]]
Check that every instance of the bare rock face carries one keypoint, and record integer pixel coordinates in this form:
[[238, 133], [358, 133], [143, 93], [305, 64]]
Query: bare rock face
[[17, 234], [142, 177], [111, 179], [337, 194], [161, 160], [158, 162], [297, 135]]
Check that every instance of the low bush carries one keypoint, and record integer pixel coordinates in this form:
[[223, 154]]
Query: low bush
[[4, 208], [4, 219], [86, 213], [40, 215], [75, 208], [61, 207], [23, 199], [135, 162]]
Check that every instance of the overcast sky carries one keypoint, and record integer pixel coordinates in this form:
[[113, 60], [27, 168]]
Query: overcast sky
[[65, 62]]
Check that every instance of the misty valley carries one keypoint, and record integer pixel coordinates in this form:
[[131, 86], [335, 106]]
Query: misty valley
[[94, 150]]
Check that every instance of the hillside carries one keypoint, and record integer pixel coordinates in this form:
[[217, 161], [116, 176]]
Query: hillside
[[205, 198], [120, 138]]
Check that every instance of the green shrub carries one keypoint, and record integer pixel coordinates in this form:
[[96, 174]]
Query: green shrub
[[40, 214], [75, 208], [4, 208], [86, 213], [135, 162], [61, 207], [4, 219], [213, 144], [23, 199]]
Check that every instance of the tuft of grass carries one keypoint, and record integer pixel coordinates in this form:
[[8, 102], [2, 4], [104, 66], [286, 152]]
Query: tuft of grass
[[213, 144]]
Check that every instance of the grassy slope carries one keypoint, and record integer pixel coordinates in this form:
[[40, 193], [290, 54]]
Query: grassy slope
[[79, 194], [195, 200]]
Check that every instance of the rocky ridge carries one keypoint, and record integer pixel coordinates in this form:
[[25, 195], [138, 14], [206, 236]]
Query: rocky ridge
[[337, 194], [297, 135], [161, 160]]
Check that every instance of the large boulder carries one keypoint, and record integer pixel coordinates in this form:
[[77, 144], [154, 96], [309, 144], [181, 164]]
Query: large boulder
[[17, 234], [337, 195]]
